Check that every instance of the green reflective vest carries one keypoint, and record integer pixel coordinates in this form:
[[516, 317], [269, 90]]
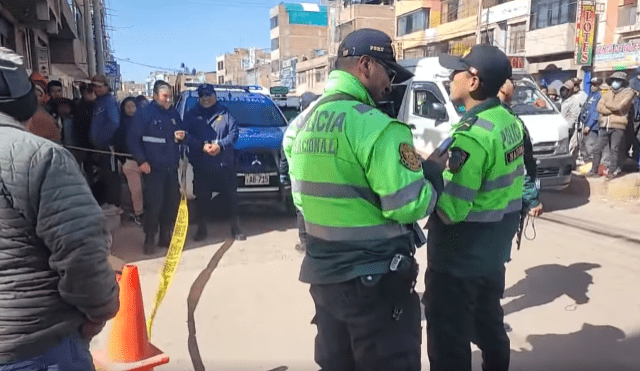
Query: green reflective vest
[[489, 182], [355, 176]]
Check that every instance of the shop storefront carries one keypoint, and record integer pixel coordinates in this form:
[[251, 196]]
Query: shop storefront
[[617, 57]]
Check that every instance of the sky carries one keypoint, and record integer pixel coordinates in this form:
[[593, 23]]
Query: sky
[[167, 33]]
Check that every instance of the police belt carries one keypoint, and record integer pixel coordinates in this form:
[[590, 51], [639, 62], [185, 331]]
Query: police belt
[[399, 263]]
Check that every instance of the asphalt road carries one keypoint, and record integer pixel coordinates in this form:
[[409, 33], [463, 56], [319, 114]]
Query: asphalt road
[[572, 297]]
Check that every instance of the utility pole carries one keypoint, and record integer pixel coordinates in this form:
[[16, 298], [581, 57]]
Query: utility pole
[[479, 29], [88, 26], [97, 21]]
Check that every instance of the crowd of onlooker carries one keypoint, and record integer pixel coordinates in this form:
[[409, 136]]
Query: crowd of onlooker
[[93, 127], [604, 123]]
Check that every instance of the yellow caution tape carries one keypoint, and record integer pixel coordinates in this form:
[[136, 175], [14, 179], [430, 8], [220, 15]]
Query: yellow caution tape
[[173, 257]]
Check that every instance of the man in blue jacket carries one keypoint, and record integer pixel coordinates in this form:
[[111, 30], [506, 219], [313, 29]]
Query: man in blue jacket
[[154, 142], [589, 120], [104, 123], [210, 123]]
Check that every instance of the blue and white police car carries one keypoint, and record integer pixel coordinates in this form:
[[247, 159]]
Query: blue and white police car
[[259, 145]]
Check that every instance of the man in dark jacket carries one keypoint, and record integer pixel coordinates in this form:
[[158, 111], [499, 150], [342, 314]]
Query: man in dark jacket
[[154, 142], [212, 125], [57, 288], [105, 122], [589, 120]]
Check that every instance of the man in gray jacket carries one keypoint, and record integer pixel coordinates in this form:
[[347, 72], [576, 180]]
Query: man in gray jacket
[[57, 288]]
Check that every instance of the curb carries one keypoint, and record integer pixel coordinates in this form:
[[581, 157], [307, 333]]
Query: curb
[[620, 233], [625, 188]]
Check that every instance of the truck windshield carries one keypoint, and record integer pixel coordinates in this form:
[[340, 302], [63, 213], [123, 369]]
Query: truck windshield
[[527, 99]]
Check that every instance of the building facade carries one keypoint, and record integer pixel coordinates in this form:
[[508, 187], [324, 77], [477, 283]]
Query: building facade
[[298, 33], [52, 37]]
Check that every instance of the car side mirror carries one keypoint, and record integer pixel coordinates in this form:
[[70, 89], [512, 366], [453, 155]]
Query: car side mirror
[[435, 110]]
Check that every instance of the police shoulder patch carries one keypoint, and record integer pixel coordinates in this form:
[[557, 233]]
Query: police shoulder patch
[[409, 158]]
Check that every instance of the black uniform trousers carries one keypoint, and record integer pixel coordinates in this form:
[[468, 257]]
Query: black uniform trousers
[[302, 228], [357, 329], [207, 180], [462, 310], [161, 200]]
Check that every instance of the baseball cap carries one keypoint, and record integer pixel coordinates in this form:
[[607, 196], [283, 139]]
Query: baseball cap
[[17, 92], [596, 81], [487, 62], [375, 44], [206, 90], [99, 80]]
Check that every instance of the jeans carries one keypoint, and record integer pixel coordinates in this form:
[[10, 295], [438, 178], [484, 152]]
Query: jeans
[[72, 354], [614, 137]]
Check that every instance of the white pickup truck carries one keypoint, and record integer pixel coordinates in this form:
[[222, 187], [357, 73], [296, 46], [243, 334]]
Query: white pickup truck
[[426, 107]]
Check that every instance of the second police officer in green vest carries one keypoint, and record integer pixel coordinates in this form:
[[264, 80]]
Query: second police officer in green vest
[[476, 218], [361, 187]]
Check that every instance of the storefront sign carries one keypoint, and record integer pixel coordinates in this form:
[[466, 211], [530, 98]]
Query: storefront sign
[[508, 10], [585, 30], [627, 2], [618, 56], [517, 63]]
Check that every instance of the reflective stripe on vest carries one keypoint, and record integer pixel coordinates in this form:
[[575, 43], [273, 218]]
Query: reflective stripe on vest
[[369, 233], [153, 139], [333, 190], [495, 215], [503, 181]]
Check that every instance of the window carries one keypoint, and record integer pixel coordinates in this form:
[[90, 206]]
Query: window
[[220, 65], [516, 38], [320, 75], [424, 96], [412, 22], [450, 10], [547, 13], [486, 37], [627, 15], [247, 110], [275, 43], [302, 78], [274, 22], [221, 80]]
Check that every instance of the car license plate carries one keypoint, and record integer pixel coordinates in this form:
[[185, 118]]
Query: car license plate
[[256, 179]]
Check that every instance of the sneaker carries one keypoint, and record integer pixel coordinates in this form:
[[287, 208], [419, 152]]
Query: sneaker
[[613, 174], [591, 174], [137, 219]]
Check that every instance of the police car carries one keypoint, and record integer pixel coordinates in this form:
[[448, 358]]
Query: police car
[[258, 149]]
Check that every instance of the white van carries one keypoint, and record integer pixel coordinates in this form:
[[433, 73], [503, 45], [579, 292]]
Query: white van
[[426, 107]]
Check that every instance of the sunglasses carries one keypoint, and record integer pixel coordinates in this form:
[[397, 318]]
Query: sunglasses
[[390, 72]]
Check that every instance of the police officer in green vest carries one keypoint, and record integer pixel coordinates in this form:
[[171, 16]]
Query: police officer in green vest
[[361, 187], [476, 218]]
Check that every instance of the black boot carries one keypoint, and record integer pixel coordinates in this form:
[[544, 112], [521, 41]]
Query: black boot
[[149, 244], [165, 238], [201, 234], [235, 230]]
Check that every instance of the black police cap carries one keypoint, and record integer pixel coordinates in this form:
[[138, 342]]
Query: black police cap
[[487, 62], [375, 44]]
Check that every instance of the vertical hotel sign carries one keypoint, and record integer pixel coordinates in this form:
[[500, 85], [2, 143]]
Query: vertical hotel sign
[[585, 32]]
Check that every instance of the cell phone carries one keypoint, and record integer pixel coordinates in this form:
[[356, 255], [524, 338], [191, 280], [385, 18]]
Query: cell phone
[[446, 144]]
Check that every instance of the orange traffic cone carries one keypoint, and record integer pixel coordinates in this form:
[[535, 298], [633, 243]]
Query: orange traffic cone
[[128, 347]]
